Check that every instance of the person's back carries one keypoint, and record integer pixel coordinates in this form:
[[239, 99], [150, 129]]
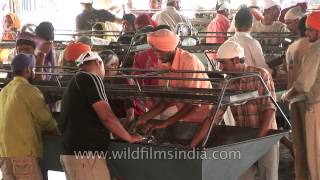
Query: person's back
[[24, 116], [170, 15], [252, 49], [89, 16], [219, 25], [76, 112], [85, 122]]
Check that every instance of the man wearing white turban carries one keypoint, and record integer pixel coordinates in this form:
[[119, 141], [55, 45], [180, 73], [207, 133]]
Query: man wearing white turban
[[292, 18]]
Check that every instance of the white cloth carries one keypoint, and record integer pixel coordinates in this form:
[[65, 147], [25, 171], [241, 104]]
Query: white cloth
[[294, 13], [169, 16], [270, 3], [233, 25], [253, 54]]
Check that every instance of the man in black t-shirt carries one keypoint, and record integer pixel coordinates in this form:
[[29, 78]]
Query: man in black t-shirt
[[85, 121], [90, 16]]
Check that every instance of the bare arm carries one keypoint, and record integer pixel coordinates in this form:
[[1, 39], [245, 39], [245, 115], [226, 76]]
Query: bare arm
[[265, 126], [156, 110], [110, 121], [186, 110], [203, 130]]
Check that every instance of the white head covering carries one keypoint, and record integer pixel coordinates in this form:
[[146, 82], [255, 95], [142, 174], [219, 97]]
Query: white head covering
[[88, 56], [86, 1], [294, 13], [270, 3], [253, 3], [222, 6], [229, 50]]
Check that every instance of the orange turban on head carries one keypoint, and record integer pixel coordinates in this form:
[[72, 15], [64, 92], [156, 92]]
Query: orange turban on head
[[163, 40], [313, 20], [74, 50]]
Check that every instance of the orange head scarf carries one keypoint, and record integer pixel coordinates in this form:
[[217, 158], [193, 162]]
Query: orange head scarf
[[163, 40], [313, 20], [74, 50], [9, 34], [15, 20]]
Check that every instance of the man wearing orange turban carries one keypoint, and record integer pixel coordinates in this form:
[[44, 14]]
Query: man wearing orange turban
[[308, 83], [164, 44], [11, 24], [74, 50]]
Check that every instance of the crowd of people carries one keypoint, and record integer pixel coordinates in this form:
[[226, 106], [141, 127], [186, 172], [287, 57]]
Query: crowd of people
[[88, 115]]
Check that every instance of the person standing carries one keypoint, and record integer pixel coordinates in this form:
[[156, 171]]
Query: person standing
[[253, 53], [170, 15], [90, 15], [308, 83], [292, 17], [294, 63], [258, 113], [86, 121], [11, 26], [24, 115], [255, 11], [270, 21], [219, 24]]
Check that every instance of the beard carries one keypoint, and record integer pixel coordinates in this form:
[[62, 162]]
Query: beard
[[31, 78]]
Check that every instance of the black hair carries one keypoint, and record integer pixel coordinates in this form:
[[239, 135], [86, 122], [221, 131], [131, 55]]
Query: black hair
[[242, 61], [98, 27], [107, 55], [302, 26], [25, 42], [162, 26], [129, 17], [45, 30], [29, 28], [243, 18]]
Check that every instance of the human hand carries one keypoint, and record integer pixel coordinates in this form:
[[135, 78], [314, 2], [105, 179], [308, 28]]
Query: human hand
[[136, 138], [140, 122], [285, 97], [150, 127]]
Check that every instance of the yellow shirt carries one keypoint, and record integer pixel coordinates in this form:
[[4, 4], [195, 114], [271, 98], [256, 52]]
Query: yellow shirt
[[23, 115]]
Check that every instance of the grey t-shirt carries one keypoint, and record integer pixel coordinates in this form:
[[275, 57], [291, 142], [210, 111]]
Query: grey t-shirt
[[87, 19]]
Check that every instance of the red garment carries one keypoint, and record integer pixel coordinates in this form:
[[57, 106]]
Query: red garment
[[219, 24], [144, 20], [146, 60], [313, 20]]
